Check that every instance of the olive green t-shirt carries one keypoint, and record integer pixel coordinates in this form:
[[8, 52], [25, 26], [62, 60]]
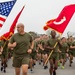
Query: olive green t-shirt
[[73, 44], [73, 50], [69, 44], [43, 42], [52, 42], [64, 47], [23, 43], [35, 46]]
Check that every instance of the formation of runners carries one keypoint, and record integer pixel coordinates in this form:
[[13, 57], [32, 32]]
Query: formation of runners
[[59, 50]]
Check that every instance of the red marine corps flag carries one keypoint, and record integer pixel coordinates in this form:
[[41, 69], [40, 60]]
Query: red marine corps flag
[[60, 23], [7, 35]]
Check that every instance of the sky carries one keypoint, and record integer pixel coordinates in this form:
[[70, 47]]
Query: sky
[[36, 13]]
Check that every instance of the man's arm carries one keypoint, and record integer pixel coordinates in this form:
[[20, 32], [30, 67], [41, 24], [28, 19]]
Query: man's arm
[[11, 45]]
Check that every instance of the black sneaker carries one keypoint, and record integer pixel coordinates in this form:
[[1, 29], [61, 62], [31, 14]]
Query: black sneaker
[[33, 64], [45, 67], [4, 71], [54, 72], [31, 70], [70, 65], [41, 60], [39, 63], [1, 68]]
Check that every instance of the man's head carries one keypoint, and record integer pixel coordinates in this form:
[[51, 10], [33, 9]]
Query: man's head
[[53, 34], [20, 28]]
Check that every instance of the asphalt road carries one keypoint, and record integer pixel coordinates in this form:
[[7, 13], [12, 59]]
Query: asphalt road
[[38, 69]]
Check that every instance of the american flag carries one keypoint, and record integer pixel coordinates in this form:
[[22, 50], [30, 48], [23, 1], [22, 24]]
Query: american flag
[[5, 8]]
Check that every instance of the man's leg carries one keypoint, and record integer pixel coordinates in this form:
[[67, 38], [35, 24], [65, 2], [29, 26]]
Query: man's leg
[[55, 66], [71, 60], [17, 71], [31, 64], [24, 69], [51, 66]]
